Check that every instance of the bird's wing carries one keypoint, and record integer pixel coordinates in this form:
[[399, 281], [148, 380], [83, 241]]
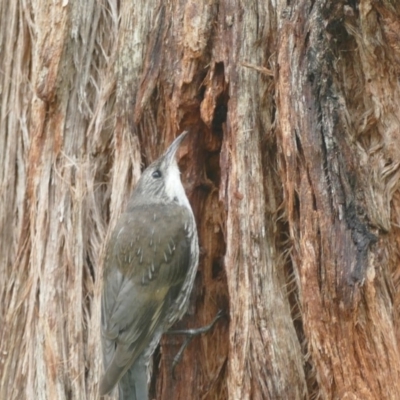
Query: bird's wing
[[146, 263]]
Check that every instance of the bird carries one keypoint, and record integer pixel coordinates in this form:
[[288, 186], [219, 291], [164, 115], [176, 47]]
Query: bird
[[149, 270]]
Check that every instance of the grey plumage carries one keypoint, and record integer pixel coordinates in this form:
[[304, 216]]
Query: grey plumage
[[149, 270]]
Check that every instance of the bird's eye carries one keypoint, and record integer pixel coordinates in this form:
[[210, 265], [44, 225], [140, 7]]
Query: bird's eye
[[156, 174]]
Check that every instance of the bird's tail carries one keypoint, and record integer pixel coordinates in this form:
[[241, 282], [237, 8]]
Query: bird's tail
[[133, 385]]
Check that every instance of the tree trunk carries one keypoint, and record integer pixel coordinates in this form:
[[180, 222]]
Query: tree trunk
[[291, 167]]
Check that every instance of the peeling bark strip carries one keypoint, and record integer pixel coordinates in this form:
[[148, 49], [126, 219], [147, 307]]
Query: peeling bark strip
[[265, 358], [292, 169], [326, 180], [56, 63]]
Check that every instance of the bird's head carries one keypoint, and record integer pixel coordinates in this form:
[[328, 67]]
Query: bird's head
[[160, 181]]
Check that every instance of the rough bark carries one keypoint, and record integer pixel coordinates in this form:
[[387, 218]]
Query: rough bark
[[292, 169], [338, 125]]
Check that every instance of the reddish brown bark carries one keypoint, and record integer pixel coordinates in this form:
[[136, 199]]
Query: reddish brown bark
[[292, 169]]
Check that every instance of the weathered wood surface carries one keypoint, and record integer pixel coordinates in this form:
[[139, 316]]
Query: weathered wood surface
[[292, 169]]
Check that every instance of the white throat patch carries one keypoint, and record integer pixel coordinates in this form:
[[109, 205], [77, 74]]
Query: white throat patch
[[174, 188]]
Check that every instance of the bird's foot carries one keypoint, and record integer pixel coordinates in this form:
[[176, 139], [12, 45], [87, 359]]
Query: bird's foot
[[190, 334]]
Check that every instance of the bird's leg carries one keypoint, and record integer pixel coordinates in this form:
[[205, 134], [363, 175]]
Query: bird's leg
[[190, 334]]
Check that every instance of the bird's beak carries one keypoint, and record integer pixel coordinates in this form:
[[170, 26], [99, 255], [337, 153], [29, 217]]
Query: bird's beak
[[169, 155]]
